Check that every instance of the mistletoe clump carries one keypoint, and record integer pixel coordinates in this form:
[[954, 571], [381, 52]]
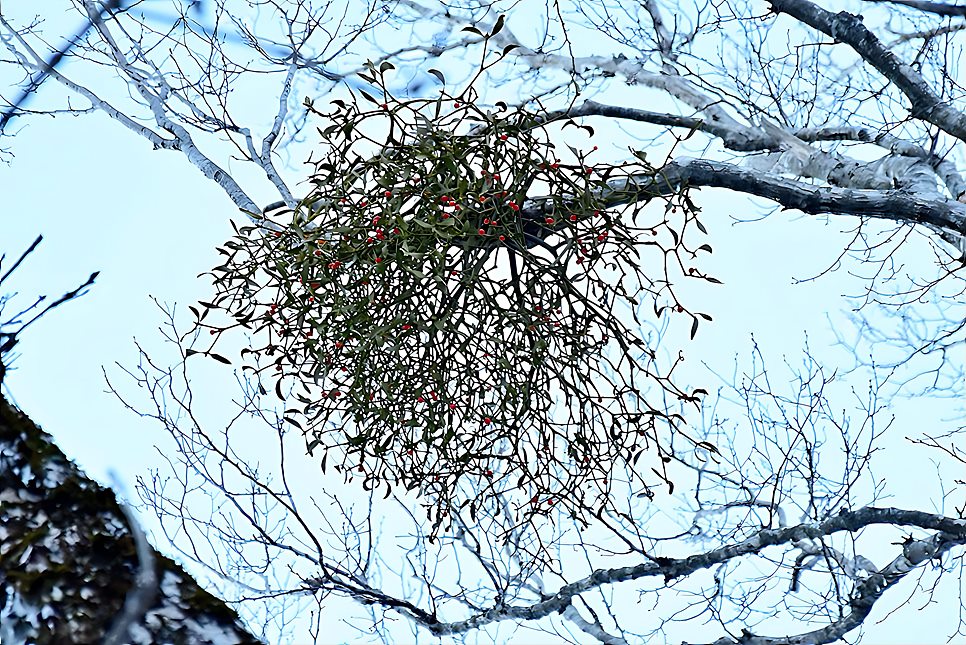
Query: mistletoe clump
[[453, 304]]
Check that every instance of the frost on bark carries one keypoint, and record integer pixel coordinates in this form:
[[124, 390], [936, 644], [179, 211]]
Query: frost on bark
[[68, 559]]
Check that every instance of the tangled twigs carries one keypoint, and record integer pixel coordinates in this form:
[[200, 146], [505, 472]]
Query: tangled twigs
[[455, 309]]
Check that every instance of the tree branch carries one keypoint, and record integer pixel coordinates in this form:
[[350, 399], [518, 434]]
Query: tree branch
[[952, 532], [938, 8], [847, 28], [894, 205]]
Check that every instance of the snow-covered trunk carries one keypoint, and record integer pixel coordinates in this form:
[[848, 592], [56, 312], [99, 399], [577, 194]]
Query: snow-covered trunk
[[69, 559]]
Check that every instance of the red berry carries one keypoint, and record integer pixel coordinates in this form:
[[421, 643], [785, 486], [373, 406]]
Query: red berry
[[452, 406], [503, 137], [378, 260], [549, 220], [502, 238], [573, 218], [388, 193], [486, 420], [482, 232]]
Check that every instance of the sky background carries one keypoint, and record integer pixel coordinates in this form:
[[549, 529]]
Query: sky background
[[149, 222]]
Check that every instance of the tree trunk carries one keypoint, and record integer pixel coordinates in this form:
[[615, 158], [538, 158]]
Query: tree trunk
[[70, 571]]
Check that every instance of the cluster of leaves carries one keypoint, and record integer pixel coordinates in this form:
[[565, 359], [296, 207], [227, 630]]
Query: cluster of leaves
[[453, 302]]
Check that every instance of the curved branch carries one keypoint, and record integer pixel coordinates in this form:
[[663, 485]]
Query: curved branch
[[895, 205], [952, 532], [734, 136], [867, 593], [847, 28], [185, 142]]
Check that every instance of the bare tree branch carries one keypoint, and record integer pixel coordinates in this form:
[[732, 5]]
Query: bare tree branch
[[938, 8], [847, 28]]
